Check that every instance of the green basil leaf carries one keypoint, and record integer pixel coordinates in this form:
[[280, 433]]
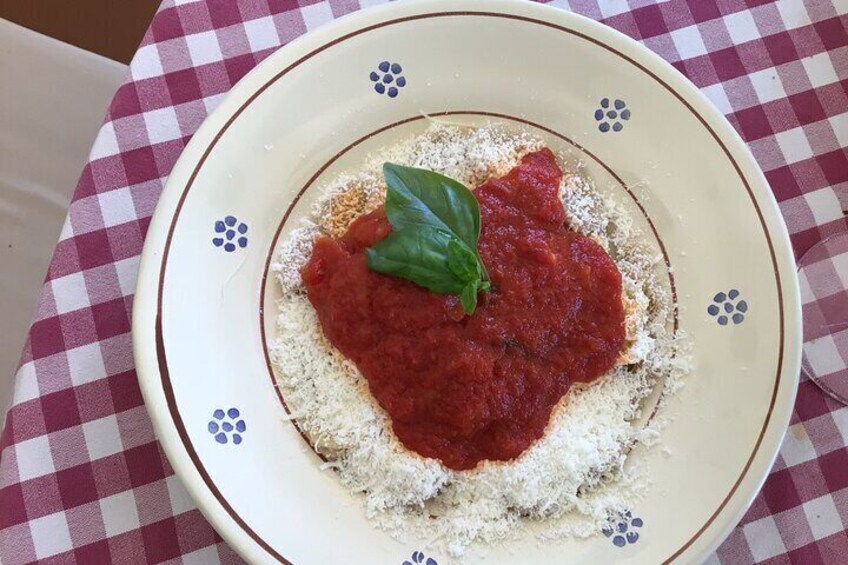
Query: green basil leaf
[[435, 227], [420, 255], [462, 261], [422, 198], [468, 297]]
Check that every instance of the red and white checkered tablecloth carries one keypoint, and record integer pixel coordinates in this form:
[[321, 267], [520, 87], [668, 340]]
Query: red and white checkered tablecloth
[[82, 478]]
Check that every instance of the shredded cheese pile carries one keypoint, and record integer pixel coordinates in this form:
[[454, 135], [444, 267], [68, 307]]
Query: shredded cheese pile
[[568, 482]]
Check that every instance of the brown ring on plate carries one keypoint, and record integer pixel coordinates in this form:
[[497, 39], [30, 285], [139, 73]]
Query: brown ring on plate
[[334, 158]]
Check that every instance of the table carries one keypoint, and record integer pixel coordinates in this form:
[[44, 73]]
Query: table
[[82, 478]]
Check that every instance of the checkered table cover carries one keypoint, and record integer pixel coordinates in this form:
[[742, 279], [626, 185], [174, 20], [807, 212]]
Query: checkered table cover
[[82, 477]]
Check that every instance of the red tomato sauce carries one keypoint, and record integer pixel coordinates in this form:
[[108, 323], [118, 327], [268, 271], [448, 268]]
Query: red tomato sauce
[[463, 389]]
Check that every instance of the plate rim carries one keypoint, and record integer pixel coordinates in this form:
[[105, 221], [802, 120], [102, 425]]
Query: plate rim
[[146, 327]]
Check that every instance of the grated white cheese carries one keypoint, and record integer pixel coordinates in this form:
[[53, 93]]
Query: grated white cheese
[[568, 482]]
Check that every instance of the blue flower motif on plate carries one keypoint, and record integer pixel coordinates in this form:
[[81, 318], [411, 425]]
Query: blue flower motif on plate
[[418, 558], [230, 233], [227, 426], [387, 79], [611, 115], [728, 307], [623, 528]]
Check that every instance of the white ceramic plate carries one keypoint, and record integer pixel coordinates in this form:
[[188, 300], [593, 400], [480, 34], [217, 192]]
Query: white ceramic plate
[[312, 110]]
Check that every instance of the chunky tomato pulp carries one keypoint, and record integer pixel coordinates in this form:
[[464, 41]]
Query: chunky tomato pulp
[[459, 388]]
